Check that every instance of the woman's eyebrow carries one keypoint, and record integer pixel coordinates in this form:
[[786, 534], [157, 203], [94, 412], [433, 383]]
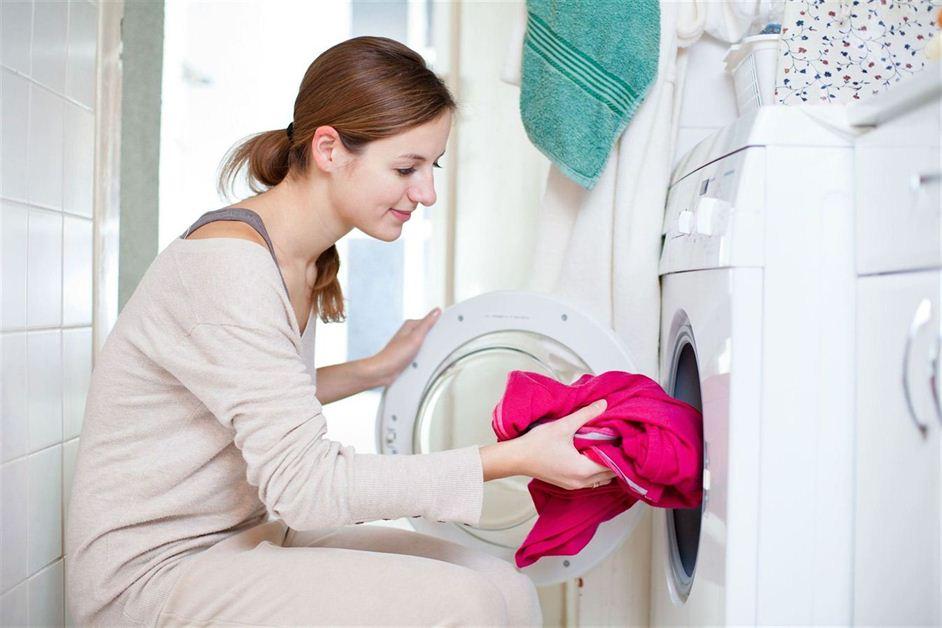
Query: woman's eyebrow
[[419, 158]]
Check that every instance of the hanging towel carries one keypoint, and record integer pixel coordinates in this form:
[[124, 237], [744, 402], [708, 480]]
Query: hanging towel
[[651, 441], [587, 65], [598, 249]]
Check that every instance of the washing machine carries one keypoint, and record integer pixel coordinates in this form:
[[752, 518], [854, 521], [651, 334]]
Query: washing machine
[[757, 331], [445, 399]]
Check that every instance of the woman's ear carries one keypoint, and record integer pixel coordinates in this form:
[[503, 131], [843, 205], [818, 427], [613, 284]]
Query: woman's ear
[[327, 151]]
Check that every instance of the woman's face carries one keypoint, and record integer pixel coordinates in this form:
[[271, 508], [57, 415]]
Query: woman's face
[[392, 175]]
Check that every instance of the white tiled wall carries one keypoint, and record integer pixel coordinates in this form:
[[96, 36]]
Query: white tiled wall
[[47, 98]]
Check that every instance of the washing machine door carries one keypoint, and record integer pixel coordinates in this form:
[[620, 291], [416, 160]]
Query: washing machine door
[[444, 401]]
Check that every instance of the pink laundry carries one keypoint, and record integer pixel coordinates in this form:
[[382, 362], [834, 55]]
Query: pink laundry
[[651, 441]]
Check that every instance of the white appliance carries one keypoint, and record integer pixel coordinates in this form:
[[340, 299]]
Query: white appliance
[[757, 331], [445, 401], [899, 340]]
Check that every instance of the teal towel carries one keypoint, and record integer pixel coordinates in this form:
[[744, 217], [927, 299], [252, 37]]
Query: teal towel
[[587, 65]]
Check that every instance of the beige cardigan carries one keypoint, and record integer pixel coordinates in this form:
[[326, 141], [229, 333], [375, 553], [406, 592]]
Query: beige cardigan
[[201, 413]]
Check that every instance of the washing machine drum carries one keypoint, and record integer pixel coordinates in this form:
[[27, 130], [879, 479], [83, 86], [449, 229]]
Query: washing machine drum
[[444, 401]]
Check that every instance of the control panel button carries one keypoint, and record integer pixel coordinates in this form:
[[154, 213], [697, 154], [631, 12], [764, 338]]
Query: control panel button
[[710, 214], [705, 220]]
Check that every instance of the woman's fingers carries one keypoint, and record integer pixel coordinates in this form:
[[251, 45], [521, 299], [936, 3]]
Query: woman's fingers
[[583, 415], [602, 478]]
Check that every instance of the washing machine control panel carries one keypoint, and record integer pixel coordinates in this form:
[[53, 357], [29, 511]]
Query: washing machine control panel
[[711, 219]]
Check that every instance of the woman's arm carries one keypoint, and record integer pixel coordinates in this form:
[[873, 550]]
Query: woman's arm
[[501, 460], [339, 381]]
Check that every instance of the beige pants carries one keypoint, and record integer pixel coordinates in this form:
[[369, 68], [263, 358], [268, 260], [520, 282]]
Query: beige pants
[[270, 575]]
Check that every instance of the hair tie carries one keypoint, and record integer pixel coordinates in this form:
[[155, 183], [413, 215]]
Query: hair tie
[[290, 131]]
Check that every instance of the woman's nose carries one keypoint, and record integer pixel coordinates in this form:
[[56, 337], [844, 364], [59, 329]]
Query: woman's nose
[[424, 192]]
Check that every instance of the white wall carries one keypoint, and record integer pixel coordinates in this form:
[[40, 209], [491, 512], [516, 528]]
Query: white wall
[[48, 97], [231, 69], [708, 101], [502, 175]]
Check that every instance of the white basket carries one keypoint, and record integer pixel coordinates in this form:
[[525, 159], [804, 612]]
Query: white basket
[[753, 62]]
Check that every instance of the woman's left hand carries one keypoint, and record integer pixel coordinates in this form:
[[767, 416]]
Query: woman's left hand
[[403, 347]]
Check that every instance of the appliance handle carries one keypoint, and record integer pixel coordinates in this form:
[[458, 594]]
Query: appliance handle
[[920, 318]]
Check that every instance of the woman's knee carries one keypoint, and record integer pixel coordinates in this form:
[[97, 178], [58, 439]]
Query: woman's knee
[[473, 599], [523, 601]]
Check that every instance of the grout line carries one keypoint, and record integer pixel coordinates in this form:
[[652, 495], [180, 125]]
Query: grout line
[[68, 49], [28, 330], [61, 443], [42, 207], [36, 573], [33, 81], [62, 170]]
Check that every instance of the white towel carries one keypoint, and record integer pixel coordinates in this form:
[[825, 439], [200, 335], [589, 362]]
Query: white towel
[[599, 248], [512, 66], [726, 20]]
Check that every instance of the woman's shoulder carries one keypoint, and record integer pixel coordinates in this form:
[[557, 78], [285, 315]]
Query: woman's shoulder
[[224, 229], [229, 279]]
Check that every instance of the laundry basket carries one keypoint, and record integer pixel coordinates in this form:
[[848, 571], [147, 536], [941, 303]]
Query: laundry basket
[[753, 63]]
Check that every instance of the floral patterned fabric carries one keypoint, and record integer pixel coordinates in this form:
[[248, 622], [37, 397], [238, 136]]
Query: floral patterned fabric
[[843, 50]]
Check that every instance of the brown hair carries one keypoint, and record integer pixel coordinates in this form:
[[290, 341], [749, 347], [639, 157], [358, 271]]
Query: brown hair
[[366, 88]]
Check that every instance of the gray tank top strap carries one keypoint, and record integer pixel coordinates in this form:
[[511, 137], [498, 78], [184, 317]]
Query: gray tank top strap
[[247, 216]]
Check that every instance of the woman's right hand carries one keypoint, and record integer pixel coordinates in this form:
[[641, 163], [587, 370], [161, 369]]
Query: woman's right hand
[[546, 452]]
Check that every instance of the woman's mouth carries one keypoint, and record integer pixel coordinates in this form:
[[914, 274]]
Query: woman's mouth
[[403, 216]]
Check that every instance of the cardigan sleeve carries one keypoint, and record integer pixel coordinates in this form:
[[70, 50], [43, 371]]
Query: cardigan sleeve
[[253, 379]]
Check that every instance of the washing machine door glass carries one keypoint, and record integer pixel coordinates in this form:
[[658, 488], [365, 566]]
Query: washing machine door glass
[[446, 398], [466, 388], [684, 525]]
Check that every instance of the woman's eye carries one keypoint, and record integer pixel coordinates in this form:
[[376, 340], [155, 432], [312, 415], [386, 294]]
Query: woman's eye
[[405, 172]]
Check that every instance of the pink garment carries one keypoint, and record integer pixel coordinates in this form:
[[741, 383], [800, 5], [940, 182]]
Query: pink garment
[[652, 442]]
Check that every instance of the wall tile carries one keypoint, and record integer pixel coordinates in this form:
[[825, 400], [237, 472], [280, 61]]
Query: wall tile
[[45, 507], [44, 269], [48, 69], [83, 41], [69, 454], [13, 236], [15, 137], [45, 148], [17, 18], [69, 620], [50, 32], [14, 396], [14, 606], [76, 271], [76, 374], [15, 568], [46, 597], [78, 160], [44, 383]]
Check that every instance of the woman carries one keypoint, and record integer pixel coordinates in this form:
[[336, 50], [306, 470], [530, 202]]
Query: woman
[[202, 418]]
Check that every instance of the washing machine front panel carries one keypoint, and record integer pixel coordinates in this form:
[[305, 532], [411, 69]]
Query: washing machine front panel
[[700, 567], [714, 216], [445, 401]]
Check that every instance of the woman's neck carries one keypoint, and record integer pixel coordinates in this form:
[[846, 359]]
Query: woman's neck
[[299, 221]]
